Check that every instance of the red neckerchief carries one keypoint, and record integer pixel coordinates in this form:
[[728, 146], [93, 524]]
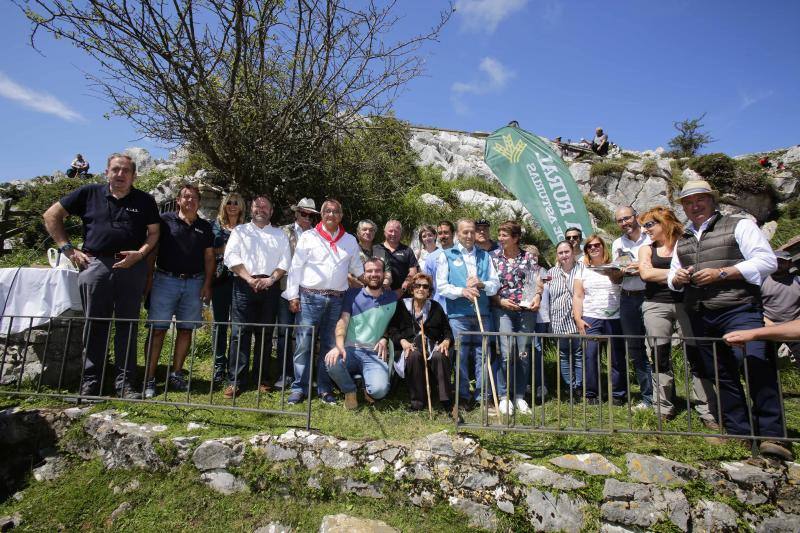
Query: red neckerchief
[[327, 236]]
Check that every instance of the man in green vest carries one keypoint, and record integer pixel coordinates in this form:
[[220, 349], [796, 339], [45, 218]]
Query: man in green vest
[[720, 263]]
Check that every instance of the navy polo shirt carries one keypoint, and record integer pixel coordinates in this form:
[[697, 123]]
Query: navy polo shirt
[[400, 262], [182, 247], [111, 224]]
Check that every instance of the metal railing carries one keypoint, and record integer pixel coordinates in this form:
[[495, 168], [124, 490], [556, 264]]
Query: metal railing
[[605, 408], [50, 360]]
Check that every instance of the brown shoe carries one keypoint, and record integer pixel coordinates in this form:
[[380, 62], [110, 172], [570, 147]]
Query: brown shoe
[[710, 424], [776, 450], [265, 387], [351, 400], [230, 392], [367, 398]]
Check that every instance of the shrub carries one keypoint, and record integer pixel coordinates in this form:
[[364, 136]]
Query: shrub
[[730, 175], [603, 216], [604, 168]]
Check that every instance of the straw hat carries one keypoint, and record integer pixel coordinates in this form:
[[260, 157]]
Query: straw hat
[[306, 204], [693, 187]]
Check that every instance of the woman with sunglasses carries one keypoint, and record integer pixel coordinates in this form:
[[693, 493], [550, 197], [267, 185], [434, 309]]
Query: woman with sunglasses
[[427, 241], [231, 214], [514, 266], [595, 307], [405, 331], [560, 289], [662, 310]]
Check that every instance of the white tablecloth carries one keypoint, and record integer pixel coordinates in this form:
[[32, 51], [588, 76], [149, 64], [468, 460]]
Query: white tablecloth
[[38, 292]]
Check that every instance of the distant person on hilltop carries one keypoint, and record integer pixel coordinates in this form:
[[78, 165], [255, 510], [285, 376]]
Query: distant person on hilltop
[[600, 142], [79, 167]]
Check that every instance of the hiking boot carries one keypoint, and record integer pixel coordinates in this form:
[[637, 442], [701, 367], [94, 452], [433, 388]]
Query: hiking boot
[[231, 391], [150, 388], [710, 424], [295, 398], [284, 383], [619, 402], [265, 388], [128, 393], [177, 382], [351, 400], [776, 450], [90, 388], [327, 398]]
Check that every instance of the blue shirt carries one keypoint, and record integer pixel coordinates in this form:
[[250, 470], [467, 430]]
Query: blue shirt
[[111, 224], [182, 247]]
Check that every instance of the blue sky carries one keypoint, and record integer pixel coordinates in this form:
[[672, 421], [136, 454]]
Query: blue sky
[[558, 67]]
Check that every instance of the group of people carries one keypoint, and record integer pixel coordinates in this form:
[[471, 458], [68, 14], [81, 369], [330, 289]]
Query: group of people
[[380, 309]]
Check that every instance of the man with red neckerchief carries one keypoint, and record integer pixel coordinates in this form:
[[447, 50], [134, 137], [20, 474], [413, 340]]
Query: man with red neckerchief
[[315, 288]]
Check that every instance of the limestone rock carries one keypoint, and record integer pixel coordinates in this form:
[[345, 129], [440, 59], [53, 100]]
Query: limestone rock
[[551, 512], [142, 158], [689, 174], [648, 469], [780, 523], [713, 517], [337, 459], [539, 475], [490, 204], [218, 454], [480, 516], [591, 463], [785, 186], [184, 446], [274, 527], [9, 522], [124, 444], [582, 174], [432, 199], [792, 155], [749, 475], [53, 467], [759, 205], [636, 504], [342, 523], [119, 511], [223, 482], [769, 228]]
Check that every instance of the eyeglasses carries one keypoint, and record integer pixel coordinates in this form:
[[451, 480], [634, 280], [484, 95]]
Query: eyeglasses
[[649, 224], [331, 212], [422, 286], [624, 219], [594, 245], [573, 237], [304, 214]]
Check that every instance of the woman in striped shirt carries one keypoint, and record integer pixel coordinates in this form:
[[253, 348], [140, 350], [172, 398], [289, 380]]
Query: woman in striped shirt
[[561, 321]]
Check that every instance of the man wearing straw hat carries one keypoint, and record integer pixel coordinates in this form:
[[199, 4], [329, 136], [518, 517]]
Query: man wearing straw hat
[[720, 263], [465, 274]]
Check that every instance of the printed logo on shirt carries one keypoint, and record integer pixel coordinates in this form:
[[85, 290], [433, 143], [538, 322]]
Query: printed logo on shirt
[[131, 209], [198, 230]]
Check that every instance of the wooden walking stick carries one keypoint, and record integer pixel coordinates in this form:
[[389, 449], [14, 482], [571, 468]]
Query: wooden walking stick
[[425, 364], [488, 357]]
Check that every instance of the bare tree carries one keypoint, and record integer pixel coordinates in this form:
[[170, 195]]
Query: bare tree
[[263, 89]]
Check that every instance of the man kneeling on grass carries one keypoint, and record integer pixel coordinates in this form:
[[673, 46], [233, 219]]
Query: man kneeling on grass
[[361, 348]]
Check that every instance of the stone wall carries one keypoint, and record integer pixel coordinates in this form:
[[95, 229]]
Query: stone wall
[[639, 492]]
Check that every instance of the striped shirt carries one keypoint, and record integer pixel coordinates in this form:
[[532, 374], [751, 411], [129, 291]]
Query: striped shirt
[[561, 291]]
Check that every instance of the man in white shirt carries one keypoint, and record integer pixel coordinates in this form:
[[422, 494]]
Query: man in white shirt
[[304, 212], [258, 255], [464, 274], [445, 232], [720, 263], [315, 288], [632, 298]]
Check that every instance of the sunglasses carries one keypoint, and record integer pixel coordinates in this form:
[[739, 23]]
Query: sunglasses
[[573, 238], [649, 224], [422, 286], [594, 245], [624, 219], [304, 214], [232, 202]]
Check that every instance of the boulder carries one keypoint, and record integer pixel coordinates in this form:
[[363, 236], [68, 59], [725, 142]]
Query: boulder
[[124, 444], [480, 516], [342, 523], [555, 512], [539, 475], [792, 155], [218, 454], [142, 158], [223, 482], [591, 463], [713, 517], [649, 469]]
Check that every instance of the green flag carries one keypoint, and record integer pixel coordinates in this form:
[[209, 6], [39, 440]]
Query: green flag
[[538, 178]]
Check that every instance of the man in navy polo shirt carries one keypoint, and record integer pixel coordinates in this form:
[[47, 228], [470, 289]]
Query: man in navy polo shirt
[[120, 227], [184, 266], [361, 347]]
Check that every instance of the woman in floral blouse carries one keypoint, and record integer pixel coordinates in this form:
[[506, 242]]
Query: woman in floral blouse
[[513, 266]]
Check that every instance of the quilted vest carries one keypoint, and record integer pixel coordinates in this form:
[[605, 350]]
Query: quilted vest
[[457, 275]]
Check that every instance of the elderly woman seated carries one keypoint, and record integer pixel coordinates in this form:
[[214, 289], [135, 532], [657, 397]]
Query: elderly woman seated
[[416, 320]]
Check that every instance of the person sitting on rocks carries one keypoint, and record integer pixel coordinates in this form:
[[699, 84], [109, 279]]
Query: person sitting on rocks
[[79, 167], [600, 142], [361, 347]]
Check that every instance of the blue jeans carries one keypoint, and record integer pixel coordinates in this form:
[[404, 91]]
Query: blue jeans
[[538, 361], [619, 383], [759, 356], [570, 361], [322, 312], [286, 337], [519, 360], [632, 318], [471, 354], [174, 296], [256, 308], [366, 363], [221, 307]]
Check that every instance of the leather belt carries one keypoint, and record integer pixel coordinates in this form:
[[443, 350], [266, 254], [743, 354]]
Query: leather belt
[[322, 292], [178, 275], [632, 293], [100, 254]]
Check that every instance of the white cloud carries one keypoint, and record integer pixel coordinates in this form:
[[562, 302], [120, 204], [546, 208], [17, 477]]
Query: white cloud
[[494, 78], [486, 15], [747, 99], [41, 102]]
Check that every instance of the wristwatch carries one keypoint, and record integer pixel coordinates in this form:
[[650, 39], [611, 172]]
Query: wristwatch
[[722, 273], [67, 247]]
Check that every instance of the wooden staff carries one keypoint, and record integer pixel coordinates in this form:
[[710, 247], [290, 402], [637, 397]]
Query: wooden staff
[[425, 364], [488, 357]]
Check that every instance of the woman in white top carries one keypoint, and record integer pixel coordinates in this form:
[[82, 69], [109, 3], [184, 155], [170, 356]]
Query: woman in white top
[[595, 307], [559, 282], [427, 241]]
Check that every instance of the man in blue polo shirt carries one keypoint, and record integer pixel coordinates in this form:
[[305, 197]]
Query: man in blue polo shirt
[[180, 275], [120, 227], [361, 347]]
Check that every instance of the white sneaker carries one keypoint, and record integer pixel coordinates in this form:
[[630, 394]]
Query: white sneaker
[[522, 406], [150, 388], [641, 406], [506, 407]]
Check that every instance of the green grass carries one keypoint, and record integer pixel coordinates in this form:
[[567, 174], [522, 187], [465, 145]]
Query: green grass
[[608, 167], [788, 224]]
